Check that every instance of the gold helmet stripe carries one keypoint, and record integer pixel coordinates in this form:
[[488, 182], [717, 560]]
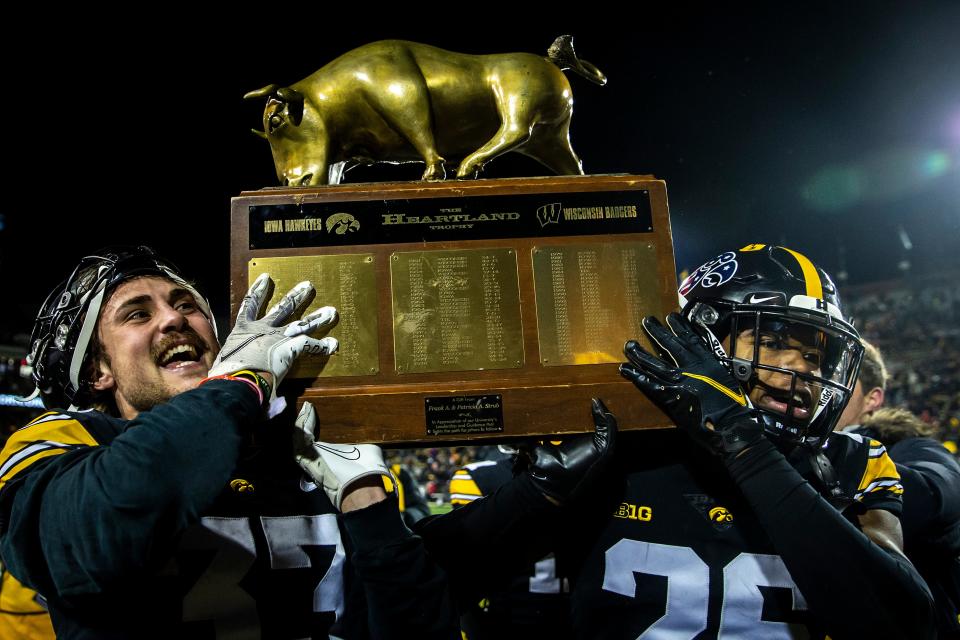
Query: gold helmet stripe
[[810, 275]]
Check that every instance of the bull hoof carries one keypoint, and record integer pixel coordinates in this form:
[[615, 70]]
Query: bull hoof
[[435, 171], [469, 173]]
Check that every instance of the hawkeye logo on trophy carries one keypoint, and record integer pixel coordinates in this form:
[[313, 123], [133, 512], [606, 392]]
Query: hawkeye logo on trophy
[[469, 308]]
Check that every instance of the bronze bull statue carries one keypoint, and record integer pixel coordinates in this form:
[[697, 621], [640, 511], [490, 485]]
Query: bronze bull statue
[[395, 101]]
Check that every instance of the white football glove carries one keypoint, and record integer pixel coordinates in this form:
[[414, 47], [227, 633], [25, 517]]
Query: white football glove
[[333, 466], [269, 344]]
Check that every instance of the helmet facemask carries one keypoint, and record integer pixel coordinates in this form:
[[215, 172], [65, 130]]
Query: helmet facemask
[[803, 404]]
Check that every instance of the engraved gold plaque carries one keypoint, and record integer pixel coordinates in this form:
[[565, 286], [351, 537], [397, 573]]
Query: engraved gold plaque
[[591, 298], [346, 282], [456, 310]]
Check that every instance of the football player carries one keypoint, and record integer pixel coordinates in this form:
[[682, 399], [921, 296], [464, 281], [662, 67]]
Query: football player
[[869, 392], [751, 518], [931, 483], [163, 503], [534, 603]]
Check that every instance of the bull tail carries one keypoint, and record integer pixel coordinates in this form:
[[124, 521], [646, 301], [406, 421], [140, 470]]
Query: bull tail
[[561, 53]]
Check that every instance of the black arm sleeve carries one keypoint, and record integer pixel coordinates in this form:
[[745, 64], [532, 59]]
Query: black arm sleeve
[[480, 545], [91, 517], [931, 522], [854, 588], [406, 592]]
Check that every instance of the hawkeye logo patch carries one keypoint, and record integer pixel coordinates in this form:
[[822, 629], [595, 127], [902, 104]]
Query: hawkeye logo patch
[[629, 511], [718, 516], [239, 485]]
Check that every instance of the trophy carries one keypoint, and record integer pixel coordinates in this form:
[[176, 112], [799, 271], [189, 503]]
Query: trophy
[[469, 309]]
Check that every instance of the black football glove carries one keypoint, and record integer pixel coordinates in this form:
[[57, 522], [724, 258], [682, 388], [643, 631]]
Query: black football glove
[[566, 471], [695, 390]]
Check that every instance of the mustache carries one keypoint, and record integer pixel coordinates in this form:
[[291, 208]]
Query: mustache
[[188, 337]]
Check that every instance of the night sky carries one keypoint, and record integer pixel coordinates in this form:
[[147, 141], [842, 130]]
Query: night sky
[[831, 128]]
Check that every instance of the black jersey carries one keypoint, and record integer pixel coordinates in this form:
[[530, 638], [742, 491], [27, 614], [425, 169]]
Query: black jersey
[[226, 540], [674, 551], [931, 521], [534, 602]]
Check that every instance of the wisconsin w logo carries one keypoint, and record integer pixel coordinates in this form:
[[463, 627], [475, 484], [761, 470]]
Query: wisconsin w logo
[[549, 213]]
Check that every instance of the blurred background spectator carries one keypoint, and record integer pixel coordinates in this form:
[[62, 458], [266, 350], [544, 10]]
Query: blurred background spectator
[[916, 325]]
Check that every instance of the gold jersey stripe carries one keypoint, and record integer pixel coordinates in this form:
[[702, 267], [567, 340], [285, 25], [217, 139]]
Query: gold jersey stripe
[[40, 417], [26, 462], [810, 275], [16, 598], [878, 468], [464, 487], [881, 486], [66, 430], [48, 435], [392, 483]]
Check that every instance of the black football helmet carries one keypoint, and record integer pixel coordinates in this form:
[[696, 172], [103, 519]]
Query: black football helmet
[[778, 300], [60, 342]]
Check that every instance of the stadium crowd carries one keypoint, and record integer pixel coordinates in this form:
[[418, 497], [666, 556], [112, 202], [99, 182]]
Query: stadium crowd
[[917, 328]]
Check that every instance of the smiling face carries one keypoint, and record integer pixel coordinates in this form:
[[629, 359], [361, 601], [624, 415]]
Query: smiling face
[[156, 343], [793, 348]]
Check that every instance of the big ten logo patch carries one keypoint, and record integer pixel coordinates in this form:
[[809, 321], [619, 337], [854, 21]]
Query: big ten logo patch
[[629, 511]]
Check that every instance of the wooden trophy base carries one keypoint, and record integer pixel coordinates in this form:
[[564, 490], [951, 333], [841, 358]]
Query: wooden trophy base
[[469, 310]]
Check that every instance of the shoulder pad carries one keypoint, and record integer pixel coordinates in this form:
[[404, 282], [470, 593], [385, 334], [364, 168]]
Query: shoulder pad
[[54, 433]]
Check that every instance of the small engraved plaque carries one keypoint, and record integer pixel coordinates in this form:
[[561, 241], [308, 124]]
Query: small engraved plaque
[[456, 310], [591, 298], [346, 282], [457, 415]]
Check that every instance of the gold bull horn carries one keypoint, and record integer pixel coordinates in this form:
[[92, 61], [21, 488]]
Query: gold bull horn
[[259, 93]]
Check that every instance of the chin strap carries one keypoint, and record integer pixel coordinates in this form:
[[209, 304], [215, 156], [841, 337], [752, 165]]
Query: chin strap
[[33, 395]]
